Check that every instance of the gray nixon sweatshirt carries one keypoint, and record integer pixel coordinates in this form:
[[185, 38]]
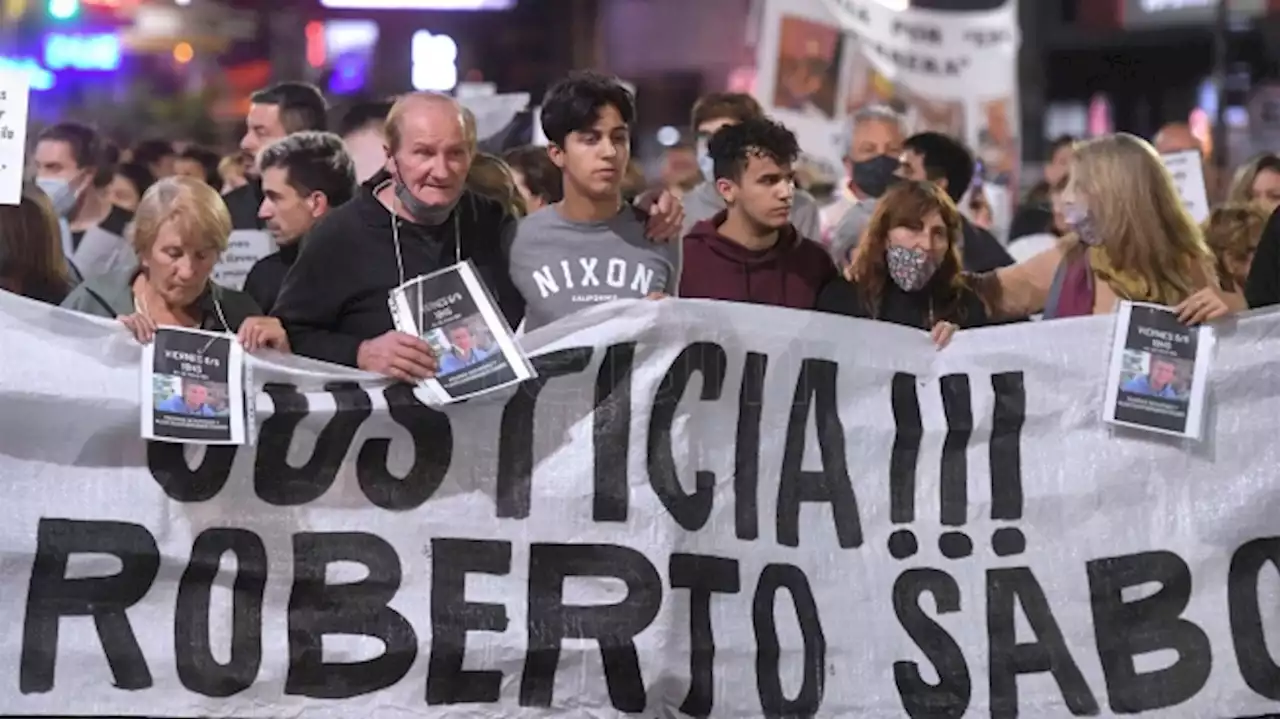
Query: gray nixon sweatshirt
[[561, 266]]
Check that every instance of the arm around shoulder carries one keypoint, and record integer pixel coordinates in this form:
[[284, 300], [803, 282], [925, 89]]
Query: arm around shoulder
[[1021, 290]]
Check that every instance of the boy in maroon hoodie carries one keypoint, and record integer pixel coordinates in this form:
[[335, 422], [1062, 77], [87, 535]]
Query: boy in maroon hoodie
[[750, 252]]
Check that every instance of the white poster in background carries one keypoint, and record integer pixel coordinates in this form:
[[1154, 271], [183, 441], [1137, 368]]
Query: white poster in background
[[954, 71], [15, 92], [494, 112], [698, 509], [1187, 169], [965, 55], [244, 249]]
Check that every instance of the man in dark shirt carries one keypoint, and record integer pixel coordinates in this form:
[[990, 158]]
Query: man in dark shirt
[[274, 113], [400, 225], [942, 160], [304, 176]]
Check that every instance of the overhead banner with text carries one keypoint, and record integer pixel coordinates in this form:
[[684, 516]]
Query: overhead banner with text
[[953, 71], [697, 509]]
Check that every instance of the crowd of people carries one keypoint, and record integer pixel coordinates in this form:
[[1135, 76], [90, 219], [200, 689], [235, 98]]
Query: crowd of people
[[404, 188]]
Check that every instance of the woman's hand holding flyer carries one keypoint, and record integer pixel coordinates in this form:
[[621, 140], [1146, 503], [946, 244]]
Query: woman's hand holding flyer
[[142, 327]]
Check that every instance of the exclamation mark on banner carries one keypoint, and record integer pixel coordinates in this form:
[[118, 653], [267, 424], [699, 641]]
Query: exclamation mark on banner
[[957, 405], [1009, 415], [1005, 450], [903, 459]]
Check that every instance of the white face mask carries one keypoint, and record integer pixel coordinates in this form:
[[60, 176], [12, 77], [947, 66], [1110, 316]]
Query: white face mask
[[60, 193]]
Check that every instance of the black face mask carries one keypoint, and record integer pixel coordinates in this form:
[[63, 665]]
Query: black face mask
[[875, 176]]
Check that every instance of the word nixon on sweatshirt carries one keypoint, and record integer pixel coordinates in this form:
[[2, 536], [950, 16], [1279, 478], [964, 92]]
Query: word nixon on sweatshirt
[[587, 272]]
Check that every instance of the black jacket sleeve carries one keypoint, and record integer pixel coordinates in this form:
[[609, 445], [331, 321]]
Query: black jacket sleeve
[[310, 301], [510, 301], [256, 285], [982, 251], [1263, 287]]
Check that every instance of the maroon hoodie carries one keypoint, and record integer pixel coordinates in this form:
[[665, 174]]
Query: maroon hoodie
[[789, 274]]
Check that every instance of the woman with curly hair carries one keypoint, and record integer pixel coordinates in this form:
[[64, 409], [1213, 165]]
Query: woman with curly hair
[[907, 268]]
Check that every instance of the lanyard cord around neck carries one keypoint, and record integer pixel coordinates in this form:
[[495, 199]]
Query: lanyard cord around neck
[[140, 305], [395, 239]]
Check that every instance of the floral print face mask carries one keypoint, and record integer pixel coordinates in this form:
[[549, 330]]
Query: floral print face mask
[[910, 268]]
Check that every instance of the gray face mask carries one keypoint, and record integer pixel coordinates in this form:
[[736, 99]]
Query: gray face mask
[[421, 212]]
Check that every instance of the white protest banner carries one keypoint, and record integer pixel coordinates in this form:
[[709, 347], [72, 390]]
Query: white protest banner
[[952, 71], [15, 93], [956, 54], [697, 509]]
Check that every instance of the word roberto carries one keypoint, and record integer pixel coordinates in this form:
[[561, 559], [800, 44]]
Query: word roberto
[[317, 609]]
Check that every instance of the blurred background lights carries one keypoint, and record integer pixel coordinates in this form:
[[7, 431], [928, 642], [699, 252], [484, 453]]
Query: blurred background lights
[[63, 9], [82, 52], [435, 62], [668, 136]]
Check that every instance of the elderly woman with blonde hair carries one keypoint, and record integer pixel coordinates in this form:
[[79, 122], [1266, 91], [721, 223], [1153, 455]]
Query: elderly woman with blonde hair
[[180, 229], [1130, 238]]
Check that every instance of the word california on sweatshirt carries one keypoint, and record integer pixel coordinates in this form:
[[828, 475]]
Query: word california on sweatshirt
[[789, 274], [561, 266]]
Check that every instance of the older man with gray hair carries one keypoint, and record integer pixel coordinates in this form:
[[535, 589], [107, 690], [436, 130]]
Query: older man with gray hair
[[414, 217], [874, 148]]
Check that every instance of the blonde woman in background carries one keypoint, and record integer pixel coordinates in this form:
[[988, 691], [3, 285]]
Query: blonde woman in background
[[231, 170], [634, 183], [1257, 181], [180, 229], [1232, 232], [490, 177], [1130, 239]]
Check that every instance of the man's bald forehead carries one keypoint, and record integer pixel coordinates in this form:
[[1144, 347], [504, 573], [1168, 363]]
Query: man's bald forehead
[[1176, 137], [436, 103]]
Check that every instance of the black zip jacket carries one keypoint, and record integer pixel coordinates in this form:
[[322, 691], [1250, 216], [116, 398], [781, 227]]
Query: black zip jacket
[[335, 295], [243, 203]]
